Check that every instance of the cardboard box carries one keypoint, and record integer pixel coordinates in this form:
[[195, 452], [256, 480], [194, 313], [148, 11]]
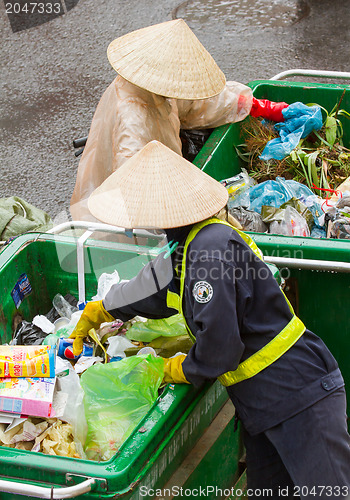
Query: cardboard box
[[27, 396]]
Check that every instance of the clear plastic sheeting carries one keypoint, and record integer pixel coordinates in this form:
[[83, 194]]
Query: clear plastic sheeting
[[128, 117]]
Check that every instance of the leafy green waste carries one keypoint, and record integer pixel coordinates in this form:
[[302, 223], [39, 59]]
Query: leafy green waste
[[321, 161]]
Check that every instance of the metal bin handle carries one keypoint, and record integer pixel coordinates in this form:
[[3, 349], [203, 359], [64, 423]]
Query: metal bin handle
[[312, 72], [90, 228], [42, 492]]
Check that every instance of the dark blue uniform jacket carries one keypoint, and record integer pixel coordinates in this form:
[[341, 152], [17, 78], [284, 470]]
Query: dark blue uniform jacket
[[242, 312]]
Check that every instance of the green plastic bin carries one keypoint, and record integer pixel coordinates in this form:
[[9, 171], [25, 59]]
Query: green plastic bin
[[184, 423]]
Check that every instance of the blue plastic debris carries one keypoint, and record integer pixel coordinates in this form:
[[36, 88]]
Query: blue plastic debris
[[300, 121]]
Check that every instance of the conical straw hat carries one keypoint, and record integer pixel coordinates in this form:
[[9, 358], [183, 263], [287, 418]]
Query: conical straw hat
[[157, 188], [167, 59]]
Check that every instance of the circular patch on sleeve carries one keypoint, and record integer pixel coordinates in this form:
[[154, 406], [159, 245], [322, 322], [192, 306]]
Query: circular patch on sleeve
[[202, 291]]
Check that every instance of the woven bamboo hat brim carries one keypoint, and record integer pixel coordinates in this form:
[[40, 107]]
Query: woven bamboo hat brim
[[157, 188], [167, 59]]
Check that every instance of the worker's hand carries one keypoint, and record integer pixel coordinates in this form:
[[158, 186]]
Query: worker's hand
[[173, 373], [93, 315], [268, 109]]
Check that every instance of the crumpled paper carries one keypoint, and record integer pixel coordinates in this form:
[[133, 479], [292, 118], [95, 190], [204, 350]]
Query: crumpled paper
[[49, 436]]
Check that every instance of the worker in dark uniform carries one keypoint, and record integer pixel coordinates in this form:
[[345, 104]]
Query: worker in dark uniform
[[283, 381]]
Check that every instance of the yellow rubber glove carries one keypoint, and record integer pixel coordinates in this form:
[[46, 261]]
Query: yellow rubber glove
[[173, 373], [93, 315]]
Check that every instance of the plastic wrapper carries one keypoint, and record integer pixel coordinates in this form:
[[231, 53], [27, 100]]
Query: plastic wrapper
[[239, 183], [117, 346], [270, 214], [53, 338], [117, 396], [105, 282], [128, 117], [287, 221], [153, 328], [27, 361], [299, 121], [57, 440], [249, 220], [338, 219], [43, 323]]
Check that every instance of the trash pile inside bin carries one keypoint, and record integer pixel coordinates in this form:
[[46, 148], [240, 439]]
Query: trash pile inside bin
[[82, 406], [296, 179]]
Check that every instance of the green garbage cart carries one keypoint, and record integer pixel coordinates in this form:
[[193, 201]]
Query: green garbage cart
[[183, 424], [187, 432]]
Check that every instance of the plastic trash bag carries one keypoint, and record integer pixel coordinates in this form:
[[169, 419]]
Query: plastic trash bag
[[153, 328], [270, 214], [17, 216], [28, 334], [274, 194], [68, 382], [338, 219], [249, 220], [287, 221], [117, 396], [193, 141], [299, 121]]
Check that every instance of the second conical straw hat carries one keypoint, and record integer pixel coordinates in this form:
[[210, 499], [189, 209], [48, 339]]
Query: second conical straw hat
[[167, 59], [157, 188]]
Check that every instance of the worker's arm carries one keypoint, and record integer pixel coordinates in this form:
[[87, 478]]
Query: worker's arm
[[218, 346], [233, 104], [144, 295]]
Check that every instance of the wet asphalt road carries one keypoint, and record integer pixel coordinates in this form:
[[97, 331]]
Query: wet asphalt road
[[53, 75]]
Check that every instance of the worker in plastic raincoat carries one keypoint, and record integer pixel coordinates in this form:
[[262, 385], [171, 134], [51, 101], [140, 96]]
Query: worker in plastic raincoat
[[166, 81], [283, 381]]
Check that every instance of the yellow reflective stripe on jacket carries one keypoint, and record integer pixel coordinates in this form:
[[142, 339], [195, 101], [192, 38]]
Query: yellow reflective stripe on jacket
[[271, 351], [267, 354], [173, 300]]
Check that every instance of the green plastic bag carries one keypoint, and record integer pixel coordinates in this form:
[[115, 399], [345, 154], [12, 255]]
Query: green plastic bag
[[154, 328], [116, 397]]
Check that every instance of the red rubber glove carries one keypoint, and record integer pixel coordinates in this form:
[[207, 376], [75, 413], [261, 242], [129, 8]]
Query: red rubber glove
[[268, 109]]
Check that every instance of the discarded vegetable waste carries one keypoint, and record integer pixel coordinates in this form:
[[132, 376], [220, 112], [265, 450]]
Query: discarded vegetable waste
[[312, 178]]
